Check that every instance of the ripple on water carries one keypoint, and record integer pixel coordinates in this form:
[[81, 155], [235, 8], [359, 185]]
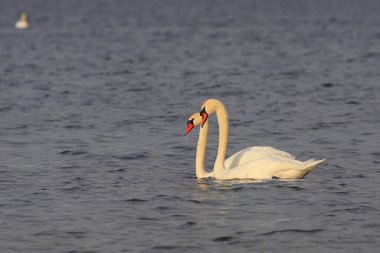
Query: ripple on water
[[73, 152], [223, 239], [135, 200], [174, 248], [296, 188], [135, 156], [306, 231], [117, 170]]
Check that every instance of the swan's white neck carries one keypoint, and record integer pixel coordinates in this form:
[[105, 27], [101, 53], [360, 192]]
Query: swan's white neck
[[201, 151], [221, 114], [23, 17], [213, 106]]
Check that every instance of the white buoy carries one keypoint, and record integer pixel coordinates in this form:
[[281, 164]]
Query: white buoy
[[22, 23]]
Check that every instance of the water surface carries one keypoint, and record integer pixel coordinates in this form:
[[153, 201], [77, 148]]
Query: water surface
[[95, 96]]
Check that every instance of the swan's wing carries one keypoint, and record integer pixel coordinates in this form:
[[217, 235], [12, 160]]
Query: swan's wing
[[266, 168], [254, 153]]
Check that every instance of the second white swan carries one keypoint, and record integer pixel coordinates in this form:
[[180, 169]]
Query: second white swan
[[251, 163]]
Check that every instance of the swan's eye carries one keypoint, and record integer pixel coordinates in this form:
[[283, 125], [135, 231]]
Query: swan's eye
[[204, 115], [190, 121], [190, 125]]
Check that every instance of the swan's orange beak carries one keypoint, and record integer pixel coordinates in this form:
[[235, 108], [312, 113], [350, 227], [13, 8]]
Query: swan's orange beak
[[204, 115], [190, 126]]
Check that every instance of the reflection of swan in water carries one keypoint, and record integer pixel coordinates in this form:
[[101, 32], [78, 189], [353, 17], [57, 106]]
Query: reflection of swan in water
[[22, 23], [250, 163]]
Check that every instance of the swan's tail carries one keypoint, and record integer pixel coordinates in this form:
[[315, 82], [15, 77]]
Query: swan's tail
[[311, 164]]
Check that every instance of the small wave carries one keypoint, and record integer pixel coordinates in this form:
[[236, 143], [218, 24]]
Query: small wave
[[79, 179], [135, 200], [190, 223], [72, 152], [46, 233], [73, 127], [371, 54], [237, 189], [117, 170], [148, 218], [173, 247], [310, 231], [223, 239], [358, 209], [74, 188], [6, 108], [137, 156], [194, 201], [39, 193], [352, 102], [162, 208], [297, 188], [139, 89], [327, 85], [76, 234], [166, 247]]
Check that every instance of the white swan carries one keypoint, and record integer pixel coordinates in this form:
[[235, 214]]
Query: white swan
[[22, 23], [250, 163]]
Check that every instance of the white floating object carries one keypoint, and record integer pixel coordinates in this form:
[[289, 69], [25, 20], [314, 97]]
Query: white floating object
[[22, 23]]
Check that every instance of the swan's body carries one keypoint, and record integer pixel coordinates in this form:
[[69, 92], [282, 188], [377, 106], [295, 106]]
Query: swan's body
[[22, 23], [250, 163], [269, 167], [253, 153]]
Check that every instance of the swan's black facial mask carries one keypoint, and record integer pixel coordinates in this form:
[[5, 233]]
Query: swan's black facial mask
[[190, 126], [204, 115]]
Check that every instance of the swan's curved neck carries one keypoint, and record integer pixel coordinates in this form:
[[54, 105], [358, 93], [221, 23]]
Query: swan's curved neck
[[201, 151], [222, 116], [23, 17], [214, 106]]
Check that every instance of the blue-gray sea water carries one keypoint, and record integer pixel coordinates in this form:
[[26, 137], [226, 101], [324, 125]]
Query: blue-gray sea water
[[94, 99]]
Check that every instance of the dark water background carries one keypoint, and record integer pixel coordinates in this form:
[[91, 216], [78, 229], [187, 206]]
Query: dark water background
[[94, 99]]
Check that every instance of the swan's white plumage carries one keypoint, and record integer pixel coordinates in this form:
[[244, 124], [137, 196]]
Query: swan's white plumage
[[270, 167], [22, 23], [252, 153], [251, 163]]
